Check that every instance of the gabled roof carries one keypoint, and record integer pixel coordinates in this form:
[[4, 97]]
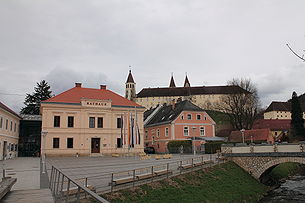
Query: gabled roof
[[75, 94], [186, 91], [172, 82], [130, 78], [272, 124], [4, 107], [282, 106], [167, 113], [255, 135]]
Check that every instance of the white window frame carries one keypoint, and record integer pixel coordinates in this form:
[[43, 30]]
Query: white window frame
[[202, 127], [188, 116], [166, 132], [188, 132], [158, 133], [199, 116]]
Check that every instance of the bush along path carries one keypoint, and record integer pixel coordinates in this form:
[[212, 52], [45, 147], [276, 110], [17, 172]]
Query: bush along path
[[222, 183]]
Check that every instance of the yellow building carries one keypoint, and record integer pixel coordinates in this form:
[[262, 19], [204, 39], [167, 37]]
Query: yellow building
[[206, 97], [280, 110], [86, 121], [9, 132]]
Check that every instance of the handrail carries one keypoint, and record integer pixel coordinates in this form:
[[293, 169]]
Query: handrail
[[79, 186]]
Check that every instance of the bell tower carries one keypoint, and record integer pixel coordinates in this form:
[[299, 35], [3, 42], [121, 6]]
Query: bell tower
[[130, 88]]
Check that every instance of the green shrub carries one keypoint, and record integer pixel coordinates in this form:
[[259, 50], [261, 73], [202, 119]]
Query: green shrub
[[174, 146], [212, 147]]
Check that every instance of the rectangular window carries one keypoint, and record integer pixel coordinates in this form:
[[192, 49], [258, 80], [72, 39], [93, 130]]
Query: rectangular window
[[186, 131], [119, 122], [12, 147], [91, 122], [1, 122], [15, 127], [146, 134], [16, 147], [70, 121], [119, 143], [6, 124], [55, 142], [166, 132], [198, 117], [56, 121], [69, 142], [201, 131], [189, 116], [100, 123], [11, 125], [158, 132]]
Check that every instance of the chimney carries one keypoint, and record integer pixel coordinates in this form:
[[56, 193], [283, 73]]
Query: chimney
[[78, 84], [103, 87], [173, 104]]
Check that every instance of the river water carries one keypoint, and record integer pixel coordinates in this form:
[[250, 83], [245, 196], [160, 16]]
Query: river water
[[291, 191]]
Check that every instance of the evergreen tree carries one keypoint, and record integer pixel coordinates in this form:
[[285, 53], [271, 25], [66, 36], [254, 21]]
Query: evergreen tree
[[297, 121], [32, 101]]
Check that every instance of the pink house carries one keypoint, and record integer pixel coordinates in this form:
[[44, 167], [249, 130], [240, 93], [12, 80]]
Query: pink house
[[179, 121]]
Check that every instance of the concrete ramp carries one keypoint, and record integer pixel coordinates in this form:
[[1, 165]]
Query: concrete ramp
[[29, 196]]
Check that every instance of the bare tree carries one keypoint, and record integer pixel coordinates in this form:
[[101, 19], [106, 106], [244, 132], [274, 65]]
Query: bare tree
[[243, 105], [296, 54]]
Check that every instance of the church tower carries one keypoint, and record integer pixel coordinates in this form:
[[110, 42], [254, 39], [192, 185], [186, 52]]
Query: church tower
[[172, 82], [186, 82], [130, 88]]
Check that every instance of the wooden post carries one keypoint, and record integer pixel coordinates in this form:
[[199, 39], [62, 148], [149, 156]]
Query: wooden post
[[180, 167], [62, 184], [134, 177], [111, 182], [152, 173], [167, 167]]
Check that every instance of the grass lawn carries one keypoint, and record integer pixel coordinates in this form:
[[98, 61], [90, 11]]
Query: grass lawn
[[284, 170], [223, 183]]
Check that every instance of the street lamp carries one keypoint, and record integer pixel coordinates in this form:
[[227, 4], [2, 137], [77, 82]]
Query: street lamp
[[43, 154], [243, 134]]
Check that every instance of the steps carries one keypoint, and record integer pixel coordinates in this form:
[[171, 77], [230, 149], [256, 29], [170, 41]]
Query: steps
[[29, 196]]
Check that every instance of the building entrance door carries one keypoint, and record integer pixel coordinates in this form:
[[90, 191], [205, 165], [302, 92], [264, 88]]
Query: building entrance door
[[95, 145]]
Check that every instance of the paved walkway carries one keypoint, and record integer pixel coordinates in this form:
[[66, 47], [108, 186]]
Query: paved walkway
[[25, 169], [29, 196], [27, 188]]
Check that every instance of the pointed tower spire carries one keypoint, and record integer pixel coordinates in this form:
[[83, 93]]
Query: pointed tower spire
[[186, 81], [130, 87], [172, 82], [130, 78]]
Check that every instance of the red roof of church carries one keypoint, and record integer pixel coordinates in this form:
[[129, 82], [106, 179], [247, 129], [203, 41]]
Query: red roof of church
[[75, 94]]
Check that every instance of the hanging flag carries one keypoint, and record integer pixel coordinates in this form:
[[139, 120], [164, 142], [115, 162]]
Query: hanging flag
[[121, 121], [139, 136]]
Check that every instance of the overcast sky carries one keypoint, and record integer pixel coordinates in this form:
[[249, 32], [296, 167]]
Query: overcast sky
[[95, 42]]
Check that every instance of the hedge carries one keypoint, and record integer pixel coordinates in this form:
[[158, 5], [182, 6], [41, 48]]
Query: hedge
[[175, 146]]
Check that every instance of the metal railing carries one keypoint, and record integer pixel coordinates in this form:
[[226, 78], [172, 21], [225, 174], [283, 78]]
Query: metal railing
[[65, 189], [131, 178]]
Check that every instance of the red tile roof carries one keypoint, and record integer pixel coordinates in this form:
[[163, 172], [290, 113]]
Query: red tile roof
[[75, 94], [4, 107], [256, 134], [273, 124]]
